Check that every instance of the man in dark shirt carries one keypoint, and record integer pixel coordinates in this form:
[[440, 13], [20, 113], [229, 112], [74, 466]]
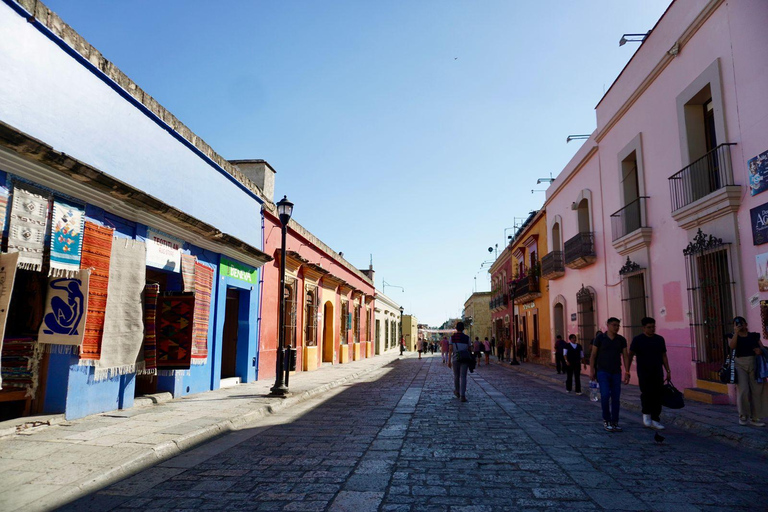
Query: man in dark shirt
[[560, 345], [651, 352], [605, 365]]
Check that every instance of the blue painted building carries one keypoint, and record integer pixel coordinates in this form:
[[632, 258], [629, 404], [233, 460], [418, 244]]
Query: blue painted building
[[75, 126]]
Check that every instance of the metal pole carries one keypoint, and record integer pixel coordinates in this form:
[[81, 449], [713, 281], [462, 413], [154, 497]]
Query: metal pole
[[514, 361], [280, 389]]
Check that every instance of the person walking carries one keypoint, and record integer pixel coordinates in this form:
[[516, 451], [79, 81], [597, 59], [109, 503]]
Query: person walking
[[420, 346], [560, 346], [608, 350], [493, 346], [651, 352], [444, 349], [573, 354], [487, 350], [402, 345], [477, 350], [751, 395], [499, 349], [459, 344], [522, 349]]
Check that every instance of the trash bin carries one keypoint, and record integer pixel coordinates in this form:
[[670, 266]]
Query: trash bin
[[290, 359]]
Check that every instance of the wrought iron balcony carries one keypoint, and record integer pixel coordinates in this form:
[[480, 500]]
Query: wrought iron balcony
[[580, 250], [552, 265], [527, 289], [630, 218], [709, 173]]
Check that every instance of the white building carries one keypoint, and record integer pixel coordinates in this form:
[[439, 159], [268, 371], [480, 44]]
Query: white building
[[387, 330]]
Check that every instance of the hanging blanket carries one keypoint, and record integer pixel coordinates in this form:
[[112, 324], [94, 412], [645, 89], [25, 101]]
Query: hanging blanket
[[188, 263], [7, 277], [3, 207], [123, 318], [203, 285], [174, 331], [66, 238], [29, 219], [65, 310], [151, 291], [19, 364], [97, 247]]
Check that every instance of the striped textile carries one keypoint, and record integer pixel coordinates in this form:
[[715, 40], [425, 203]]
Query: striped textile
[[203, 287], [188, 272], [151, 291], [97, 247]]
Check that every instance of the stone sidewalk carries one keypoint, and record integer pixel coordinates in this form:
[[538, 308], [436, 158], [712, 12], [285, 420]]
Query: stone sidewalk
[[717, 422], [46, 466]]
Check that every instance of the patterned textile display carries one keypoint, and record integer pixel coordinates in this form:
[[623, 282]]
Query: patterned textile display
[[175, 313], [121, 351], [203, 286], [19, 364], [66, 307], [188, 263], [3, 206], [97, 247], [66, 238], [29, 219], [151, 291], [7, 277]]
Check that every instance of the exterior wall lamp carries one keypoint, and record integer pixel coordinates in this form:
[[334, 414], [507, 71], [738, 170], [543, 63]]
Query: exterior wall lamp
[[634, 39]]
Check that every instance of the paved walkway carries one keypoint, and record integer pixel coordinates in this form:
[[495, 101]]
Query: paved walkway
[[44, 467], [718, 422], [397, 440]]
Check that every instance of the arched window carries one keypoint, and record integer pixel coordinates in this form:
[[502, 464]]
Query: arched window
[[587, 317]]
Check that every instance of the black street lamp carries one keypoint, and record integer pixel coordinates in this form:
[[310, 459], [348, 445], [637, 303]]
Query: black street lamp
[[514, 361], [284, 211], [402, 339]]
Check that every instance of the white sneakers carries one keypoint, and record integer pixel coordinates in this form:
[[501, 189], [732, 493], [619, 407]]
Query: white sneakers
[[744, 421], [756, 423], [648, 422]]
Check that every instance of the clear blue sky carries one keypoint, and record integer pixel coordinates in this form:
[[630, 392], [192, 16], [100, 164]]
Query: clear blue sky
[[410, 130]]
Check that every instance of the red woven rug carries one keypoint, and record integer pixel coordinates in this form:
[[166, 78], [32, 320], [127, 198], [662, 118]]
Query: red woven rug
[[175, 313], [150, 326], [203, 286], [97, 247]]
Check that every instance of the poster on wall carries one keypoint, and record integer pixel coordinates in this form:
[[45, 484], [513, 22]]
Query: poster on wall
[[759, 219], [762, 272], [758, 173], [163, 251]]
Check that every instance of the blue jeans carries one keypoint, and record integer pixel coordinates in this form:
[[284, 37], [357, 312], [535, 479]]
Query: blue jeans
[[610, 393]]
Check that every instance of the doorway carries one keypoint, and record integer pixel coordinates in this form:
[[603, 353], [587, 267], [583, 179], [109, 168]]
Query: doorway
[[328, 332], [230, 334], [558, 315]]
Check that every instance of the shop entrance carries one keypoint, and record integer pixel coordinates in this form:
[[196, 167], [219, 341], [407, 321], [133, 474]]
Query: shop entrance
[[328, 332], [230, 335]]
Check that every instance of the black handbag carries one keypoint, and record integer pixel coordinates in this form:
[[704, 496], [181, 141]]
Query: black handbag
[[671, 398], [728, 371]]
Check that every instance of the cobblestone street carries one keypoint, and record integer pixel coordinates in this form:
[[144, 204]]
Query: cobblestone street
[[398, 440]]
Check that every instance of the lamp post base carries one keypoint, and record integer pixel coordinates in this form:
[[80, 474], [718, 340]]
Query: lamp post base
[[515, 362], [280, 391]]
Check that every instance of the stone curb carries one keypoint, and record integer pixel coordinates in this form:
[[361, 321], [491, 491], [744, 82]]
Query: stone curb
[[670, 417], [168, 449]]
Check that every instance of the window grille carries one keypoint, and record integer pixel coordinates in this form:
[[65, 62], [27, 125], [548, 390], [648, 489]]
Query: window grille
[[587, 322], [310, 319]]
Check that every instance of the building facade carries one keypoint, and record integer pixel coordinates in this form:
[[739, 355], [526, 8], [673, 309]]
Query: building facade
[[410, 332], [477, 316], [388, 328], [501, 308]]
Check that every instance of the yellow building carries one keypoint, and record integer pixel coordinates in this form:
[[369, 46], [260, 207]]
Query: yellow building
[[528, 290], [410, 331]]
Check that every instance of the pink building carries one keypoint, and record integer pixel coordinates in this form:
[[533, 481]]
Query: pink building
[[651, 217]]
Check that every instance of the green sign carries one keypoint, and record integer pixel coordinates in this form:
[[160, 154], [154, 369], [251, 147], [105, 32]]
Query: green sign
[[229, 268]]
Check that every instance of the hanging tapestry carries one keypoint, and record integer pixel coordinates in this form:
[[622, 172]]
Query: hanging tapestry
[[123, 317], [29, 219], [174, 330], [19, 364], [7, 277], [66, 238], [188, 272], [3, 207], [203, 285], [151, 291], [97, 247], [65, 310]]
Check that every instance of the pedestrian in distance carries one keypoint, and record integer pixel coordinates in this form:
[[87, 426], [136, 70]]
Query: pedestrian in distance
[[477, 350], [751, 396], [499, 349], [487, 350], [460, 359], [651, 352], [522, 349], [493, 346], [560, 346], [444, 349], [420, 346], [508, 349], [605, 361], [573, 354], [402, 346]]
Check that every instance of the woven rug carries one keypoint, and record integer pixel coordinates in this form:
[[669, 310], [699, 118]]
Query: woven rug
[[29, 219], [66, 238], [19, 364], [124, 316], [97, 247], [188, 263], [203, 286], [175, 313], [65, 310], [3, 207], [7, 277], [151, 291]]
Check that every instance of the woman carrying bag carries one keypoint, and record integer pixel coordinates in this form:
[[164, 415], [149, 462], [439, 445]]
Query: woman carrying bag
[[751, 397]]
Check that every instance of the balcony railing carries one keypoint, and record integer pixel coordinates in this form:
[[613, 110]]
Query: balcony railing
[[580, 250], [552, 265], [527, 289], [628, 219], [499, 301], [709, 173]]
